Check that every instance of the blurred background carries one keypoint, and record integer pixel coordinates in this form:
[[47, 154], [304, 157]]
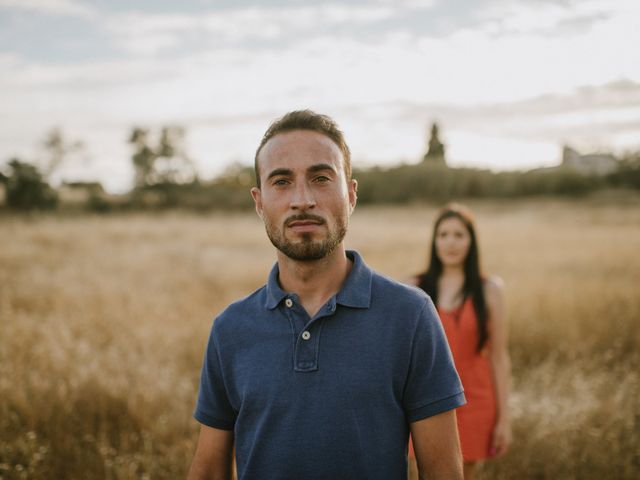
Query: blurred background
[[127, 137]]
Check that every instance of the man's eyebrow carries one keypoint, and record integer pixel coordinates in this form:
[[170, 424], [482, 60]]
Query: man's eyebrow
[[280, 171], [319, 167]]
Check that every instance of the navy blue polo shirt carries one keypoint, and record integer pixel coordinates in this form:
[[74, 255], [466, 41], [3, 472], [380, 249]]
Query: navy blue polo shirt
[[329, 397]]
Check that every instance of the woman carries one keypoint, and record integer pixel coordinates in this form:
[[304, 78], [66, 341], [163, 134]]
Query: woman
[[472, 311]]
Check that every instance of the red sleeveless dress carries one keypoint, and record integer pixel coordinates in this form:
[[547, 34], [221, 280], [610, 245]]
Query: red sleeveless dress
[[477, 418]]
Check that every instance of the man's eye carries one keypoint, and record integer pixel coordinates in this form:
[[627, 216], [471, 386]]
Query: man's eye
[[280, 182], [321, 179]]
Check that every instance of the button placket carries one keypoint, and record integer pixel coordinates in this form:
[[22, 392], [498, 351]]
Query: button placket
[[307, 341], [306, 353], [296, 315]]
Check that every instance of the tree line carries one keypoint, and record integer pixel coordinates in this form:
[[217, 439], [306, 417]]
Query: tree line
[[165, 177]]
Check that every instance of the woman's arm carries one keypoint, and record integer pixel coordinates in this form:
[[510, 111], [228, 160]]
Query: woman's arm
[[500, 362]]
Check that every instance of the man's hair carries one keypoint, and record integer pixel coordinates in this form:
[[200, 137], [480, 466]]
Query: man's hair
[[306, 120]]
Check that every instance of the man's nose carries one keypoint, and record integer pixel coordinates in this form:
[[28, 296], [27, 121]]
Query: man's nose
[[303, 197]]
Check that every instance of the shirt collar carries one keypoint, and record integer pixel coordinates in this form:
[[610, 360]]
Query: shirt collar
[[275, 294], [355, 292]]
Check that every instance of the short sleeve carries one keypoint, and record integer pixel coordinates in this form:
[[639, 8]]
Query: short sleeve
[[213, 407], [433, 385]]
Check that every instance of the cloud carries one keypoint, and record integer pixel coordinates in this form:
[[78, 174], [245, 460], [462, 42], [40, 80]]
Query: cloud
[[412, 4], [226, 73], [144, 33], [620, 93], [21, 76], [589, 117], [74, 8], [505, 17]]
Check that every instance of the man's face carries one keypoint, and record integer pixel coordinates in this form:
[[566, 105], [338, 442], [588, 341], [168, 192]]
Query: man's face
[[305, 200]]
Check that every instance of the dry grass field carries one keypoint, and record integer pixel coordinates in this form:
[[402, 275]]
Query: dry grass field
[[103, 323]]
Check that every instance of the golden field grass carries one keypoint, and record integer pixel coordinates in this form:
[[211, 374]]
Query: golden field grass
[[103, 323]]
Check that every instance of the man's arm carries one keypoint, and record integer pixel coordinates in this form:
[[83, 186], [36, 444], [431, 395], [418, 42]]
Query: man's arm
[[212, 460], [437, 447]]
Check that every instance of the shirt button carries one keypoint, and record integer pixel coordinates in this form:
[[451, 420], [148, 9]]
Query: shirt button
[[288, 302], [306, 335]]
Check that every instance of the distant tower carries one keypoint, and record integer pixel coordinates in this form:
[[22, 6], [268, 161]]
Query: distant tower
[[435, 151], [569, 156]]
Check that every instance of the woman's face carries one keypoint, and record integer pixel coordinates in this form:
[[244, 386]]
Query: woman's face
[[452, 242]]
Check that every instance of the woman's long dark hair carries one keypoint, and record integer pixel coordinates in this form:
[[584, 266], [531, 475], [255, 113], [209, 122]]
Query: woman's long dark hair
[[473, 279]]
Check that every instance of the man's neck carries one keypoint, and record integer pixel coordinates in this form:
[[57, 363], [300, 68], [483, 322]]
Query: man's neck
[[316, 281]]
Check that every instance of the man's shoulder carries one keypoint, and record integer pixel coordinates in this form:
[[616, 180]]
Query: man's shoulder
[[389, 289], [245, 308], [409, 306]]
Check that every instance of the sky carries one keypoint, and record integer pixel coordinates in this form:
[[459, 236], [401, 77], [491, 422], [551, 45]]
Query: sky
[[508, 81]]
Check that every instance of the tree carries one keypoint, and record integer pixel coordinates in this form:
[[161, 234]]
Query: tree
[[172, 164], [58, 149], [435, 151], [27, 189], [167, 162], [143, 157]]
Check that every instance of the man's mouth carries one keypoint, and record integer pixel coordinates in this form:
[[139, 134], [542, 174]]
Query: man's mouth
[[304, 223], [301, 221]]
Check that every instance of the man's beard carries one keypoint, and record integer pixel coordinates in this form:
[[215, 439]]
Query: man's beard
[[307, 249]]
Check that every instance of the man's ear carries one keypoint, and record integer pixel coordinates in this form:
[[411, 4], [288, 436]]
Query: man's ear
[[256, 193], [353, 194]]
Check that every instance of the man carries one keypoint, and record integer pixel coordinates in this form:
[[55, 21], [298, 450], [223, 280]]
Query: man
[[322, 372]]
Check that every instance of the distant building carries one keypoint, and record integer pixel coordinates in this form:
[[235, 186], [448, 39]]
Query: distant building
[[590, 164], [79, 193]]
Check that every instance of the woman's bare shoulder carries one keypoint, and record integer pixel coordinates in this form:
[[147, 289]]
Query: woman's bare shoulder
[[493, 288], [494, 282]]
